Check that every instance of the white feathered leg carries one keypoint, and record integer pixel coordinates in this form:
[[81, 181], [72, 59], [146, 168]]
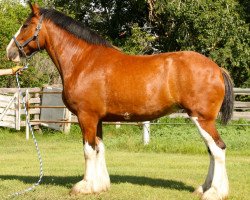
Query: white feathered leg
[[207, 184], [217, 175], [96, 178], [102, 171]]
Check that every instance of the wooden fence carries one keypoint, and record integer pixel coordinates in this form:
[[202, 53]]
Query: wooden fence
[[241, 109], [9, 110], [12, 111], [40, 108]]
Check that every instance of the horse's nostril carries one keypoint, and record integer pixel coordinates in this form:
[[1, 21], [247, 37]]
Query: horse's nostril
[[13, 54]]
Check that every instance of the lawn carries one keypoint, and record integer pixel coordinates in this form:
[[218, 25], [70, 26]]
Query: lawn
[[136, 171]]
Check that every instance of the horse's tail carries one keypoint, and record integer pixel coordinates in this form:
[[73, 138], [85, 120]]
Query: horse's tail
[[228, 102]]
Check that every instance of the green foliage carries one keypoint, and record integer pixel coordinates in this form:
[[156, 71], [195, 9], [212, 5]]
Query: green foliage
[[109, 17], [178, 136], [214, 28], [245, 9], [140, 41], [118, 21]]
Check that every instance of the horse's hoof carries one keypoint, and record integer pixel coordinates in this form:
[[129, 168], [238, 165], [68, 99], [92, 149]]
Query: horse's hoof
[[199, 191], [82, 187], [213, 194]]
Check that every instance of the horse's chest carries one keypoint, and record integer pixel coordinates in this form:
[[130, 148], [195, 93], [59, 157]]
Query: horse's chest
[[72, 100]]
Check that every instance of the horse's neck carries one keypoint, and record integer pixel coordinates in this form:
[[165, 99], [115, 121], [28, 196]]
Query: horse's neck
[[64, 49]]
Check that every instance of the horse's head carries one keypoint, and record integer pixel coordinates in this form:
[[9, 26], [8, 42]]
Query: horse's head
[[29, 38]]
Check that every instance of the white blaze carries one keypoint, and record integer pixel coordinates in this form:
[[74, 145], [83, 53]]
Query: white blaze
[[10, 45]]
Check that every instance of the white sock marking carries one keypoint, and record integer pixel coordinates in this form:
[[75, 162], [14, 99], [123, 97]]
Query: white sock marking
[[96, 176], [217, 175]]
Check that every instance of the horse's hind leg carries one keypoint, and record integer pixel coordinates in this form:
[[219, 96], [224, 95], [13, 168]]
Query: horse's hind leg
[[215, 186], [99, 130], [96, 177], [207, 184]]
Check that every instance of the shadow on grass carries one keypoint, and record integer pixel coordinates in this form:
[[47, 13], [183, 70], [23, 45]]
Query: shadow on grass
[[153, 182], [69, 181]]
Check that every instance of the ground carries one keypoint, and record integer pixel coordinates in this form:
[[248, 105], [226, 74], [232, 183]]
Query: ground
[[136, 172]]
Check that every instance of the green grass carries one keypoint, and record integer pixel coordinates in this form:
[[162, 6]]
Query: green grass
[[136, 171], [176, 138]]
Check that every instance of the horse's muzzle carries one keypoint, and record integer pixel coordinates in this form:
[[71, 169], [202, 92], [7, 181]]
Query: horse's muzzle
[[13, 54]]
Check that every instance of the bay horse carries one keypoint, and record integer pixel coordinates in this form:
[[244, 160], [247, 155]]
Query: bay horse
[[101, 83]]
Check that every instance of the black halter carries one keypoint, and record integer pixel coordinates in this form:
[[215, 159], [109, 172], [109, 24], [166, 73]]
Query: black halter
[[34, 37]]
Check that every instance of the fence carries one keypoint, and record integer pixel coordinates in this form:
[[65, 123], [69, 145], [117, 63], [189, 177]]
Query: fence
[[11, 110], [46, 108], [39, 106], [241, 109]]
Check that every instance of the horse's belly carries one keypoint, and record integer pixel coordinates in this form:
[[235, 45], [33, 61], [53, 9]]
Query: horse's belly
[[139, 114]]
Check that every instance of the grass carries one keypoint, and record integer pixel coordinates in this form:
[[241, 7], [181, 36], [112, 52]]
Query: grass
[[183, 139], [136, 171]]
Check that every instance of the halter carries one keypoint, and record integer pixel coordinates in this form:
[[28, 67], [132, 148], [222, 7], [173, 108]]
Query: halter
[[34, 37]]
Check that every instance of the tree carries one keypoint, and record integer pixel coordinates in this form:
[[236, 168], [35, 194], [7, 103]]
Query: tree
[[213, 28], [246, 9], [111, 18]]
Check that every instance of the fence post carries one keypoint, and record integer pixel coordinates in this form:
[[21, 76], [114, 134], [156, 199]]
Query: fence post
[[118, 125], [37, 116], [28, 115], [18, 111], [67, 117], [146, 132]]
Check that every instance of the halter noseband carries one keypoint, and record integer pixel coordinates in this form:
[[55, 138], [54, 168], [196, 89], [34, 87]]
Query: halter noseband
[[34, 37]]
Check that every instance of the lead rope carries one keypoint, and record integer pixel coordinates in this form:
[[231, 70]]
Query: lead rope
[[34, 139]]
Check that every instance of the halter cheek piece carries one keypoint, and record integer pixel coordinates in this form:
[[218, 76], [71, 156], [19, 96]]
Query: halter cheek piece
[[34, 37]]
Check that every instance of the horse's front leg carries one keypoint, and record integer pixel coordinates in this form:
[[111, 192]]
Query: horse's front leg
[[96, 177]]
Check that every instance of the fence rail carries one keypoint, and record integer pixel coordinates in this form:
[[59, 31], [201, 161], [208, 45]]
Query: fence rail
[[241, 91]]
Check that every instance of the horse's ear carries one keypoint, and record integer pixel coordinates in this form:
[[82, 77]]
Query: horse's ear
[[35, 8]]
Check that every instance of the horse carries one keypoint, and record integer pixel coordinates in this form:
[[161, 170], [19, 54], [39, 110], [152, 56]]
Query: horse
[[101, 83]]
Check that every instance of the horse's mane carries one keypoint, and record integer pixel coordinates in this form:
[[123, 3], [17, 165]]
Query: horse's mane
[[74, 27]]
